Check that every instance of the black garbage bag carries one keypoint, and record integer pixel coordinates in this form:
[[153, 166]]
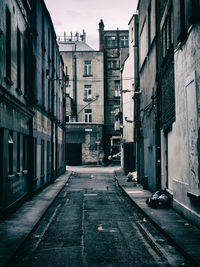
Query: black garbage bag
[[158, 200]]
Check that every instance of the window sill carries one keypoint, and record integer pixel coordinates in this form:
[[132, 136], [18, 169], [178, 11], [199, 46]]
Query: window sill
[[111, 47], [87, 99], [87, 75], [113, 68], [8, 80], [194, 197]]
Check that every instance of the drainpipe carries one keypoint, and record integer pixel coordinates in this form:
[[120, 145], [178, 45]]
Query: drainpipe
[[74, 67]]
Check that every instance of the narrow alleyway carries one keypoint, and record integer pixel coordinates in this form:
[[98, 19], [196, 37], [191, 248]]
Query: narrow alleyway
[[92, 223]]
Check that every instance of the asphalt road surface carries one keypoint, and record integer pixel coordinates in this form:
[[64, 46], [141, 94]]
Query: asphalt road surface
[[92, 223]]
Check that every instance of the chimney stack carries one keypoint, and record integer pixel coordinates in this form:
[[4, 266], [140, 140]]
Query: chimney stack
[[84, 36], [101, 29]]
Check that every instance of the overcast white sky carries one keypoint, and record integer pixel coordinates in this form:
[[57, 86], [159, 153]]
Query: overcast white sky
[[76, 15]]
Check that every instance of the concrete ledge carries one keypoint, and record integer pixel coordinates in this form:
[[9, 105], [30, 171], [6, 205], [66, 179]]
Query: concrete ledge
[[183, 235]]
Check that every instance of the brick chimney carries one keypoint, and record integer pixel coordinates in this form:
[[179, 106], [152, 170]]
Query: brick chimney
[[101, 29]]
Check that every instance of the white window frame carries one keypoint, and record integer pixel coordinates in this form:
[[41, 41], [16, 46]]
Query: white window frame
[[88, 115], [110, 41], [87, 91], [87, 67], [117, 88], [124, 41]]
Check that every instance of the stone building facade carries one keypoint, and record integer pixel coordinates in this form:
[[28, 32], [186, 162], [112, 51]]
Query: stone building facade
[[86, 92]]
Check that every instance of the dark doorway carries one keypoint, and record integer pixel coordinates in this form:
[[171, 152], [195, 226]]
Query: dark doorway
[[129, 157], [73, 154]]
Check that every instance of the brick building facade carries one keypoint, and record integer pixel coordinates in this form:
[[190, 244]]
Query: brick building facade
[[111, 42]]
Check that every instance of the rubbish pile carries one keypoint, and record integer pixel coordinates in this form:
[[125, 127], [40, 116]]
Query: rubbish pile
[[159, 200], [132, 177]]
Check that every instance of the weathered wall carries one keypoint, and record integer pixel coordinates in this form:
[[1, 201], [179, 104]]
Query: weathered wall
[[184, 140], [80, 133], [148, 68], [96, 80], [15, 110]]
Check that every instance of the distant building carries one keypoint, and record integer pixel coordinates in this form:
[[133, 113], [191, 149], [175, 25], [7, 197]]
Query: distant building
[[84, 127], [111, 43], [129, 70]]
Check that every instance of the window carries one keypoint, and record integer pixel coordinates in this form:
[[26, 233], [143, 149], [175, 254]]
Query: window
[[113, 64], [88, 115], [67, 119], [42, 87], [110, 41], [49, 43], [87, 92], [87, 68], [25, 69], [167, 34], [10, 152], [93, 139], [132, 35], [182, 10], [124, 41], [35, 157], [18, 59], [43, 31], [48, 157], [117, 88], [18, 152], [109, 65], [8, 44], [42, 157], [49, 95], [25, 152]]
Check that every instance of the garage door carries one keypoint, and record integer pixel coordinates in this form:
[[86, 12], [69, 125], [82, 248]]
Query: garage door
[[73, 154]]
